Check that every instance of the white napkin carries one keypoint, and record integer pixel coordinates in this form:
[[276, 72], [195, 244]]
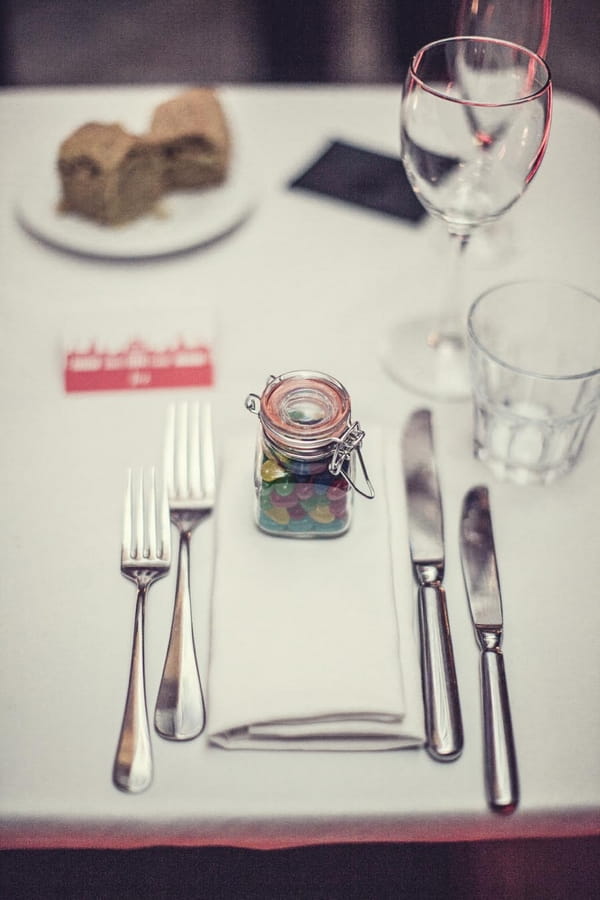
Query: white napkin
[[308, 648]]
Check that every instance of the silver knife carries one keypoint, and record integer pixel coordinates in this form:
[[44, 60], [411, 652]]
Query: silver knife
[[483, 590], [443, 722]]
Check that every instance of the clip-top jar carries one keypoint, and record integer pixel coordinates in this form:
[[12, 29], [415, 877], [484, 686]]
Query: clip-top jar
[[305, 456]]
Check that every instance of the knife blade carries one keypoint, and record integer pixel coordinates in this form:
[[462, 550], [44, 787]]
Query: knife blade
[[443, 721], [480, 572]]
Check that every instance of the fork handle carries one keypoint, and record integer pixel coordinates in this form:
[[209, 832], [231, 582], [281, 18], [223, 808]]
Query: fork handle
[[180, 713], [132, 771]]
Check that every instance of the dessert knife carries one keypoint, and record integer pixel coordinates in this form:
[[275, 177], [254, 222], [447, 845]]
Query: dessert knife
[[443, 722], [483, 590]]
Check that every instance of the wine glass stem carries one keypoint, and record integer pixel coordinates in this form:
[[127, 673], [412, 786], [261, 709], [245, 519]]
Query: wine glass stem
[[449, 332]]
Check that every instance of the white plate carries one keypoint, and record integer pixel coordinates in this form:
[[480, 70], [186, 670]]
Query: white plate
[[185, 219]]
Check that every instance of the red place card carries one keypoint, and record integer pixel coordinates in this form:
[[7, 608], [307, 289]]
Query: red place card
[[138, 365]]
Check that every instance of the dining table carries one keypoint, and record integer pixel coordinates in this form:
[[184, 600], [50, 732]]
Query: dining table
[[279, 279]]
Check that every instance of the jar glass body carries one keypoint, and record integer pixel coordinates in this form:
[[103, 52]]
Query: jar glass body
[[296, 499], [299, 491]]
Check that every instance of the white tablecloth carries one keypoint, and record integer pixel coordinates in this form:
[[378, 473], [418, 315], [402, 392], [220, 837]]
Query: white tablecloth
[[305, 283]]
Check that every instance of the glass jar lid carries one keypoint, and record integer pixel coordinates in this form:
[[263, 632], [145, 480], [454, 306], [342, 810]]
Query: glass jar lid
[[306, 416], [304, 411]]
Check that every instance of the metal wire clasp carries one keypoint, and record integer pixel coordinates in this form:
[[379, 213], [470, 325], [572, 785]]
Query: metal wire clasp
[[253, 403], [253, 400], [351, 440]]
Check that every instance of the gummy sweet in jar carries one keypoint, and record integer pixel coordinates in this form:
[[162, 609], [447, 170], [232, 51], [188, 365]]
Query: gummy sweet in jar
[[302, 504]]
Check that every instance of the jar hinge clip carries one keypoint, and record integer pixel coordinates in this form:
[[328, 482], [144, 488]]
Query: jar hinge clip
[[253, 403], [350, 441]]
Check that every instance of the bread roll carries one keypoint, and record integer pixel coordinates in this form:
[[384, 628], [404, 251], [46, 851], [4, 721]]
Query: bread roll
[[108, 174], [191, 136]]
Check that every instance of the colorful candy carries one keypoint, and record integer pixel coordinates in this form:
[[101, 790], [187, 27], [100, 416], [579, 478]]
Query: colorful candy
[[302, 504]]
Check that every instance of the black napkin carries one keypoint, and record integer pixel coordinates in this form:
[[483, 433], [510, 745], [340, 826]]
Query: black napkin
[[363, 177]]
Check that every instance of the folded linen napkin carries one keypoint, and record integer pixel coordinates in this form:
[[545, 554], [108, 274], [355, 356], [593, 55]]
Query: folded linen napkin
[[309, 649]]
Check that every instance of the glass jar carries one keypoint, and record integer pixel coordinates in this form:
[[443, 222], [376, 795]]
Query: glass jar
[[305, 456]]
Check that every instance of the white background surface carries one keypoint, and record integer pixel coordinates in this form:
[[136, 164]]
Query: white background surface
[[305, 283]]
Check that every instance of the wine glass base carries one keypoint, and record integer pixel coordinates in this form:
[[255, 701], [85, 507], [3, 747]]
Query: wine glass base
[[419, 359]]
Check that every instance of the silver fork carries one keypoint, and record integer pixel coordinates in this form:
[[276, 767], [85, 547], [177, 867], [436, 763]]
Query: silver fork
[[190, 477], [145, 557]]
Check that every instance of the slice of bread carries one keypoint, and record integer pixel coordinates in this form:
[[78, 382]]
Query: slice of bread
[[192, 138], [108, 174]]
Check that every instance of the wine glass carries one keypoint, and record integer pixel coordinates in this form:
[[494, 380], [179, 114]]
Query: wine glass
[[475, 120], [526, 22]]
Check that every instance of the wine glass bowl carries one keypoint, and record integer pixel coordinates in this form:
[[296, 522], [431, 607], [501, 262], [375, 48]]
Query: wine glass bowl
[[474, 126]]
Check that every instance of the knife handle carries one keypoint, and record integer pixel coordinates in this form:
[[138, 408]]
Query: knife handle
[[443, 722], [501, 778]]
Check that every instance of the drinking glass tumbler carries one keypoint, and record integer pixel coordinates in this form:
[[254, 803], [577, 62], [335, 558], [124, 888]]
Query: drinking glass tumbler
[[534, 356]]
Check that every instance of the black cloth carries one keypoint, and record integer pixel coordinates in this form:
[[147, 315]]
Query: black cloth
[[363, 177]]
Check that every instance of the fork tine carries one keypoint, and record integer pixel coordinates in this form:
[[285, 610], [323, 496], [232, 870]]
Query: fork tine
[[150, 517], [169, 451], [146, 523], [139, 550], [126, 548], [208, 453], [164, 523], [194, 470], [188, 451], [181, 453]]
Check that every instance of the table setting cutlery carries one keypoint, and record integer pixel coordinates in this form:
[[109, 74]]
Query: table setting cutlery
[[308, 679], [311, 262], [485, 601], [190, 479], [325, 669], [443, 720], [145, 558]]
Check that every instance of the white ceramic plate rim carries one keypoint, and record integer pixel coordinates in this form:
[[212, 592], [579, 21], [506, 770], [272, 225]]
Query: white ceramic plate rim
[[183, 220]]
